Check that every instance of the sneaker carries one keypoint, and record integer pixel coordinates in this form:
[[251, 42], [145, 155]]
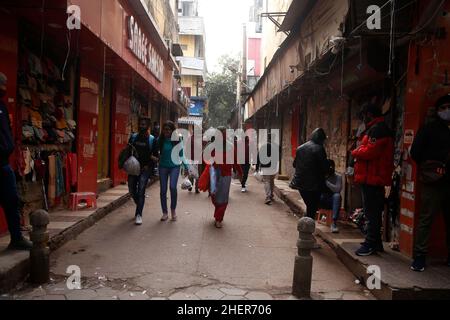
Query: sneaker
[[244, 190], [218, 224], [268, 201], [164, 217], [174, 216], [418, 264], [334, 228], [365, 250], [22, 244], [138, 221]]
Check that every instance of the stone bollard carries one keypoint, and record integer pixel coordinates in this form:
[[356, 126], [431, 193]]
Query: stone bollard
[[301, 287], [39, 254]]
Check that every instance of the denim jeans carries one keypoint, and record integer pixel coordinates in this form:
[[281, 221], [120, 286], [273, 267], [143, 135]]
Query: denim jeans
[[331, 201], [137, 186], [9, 201], [169, 175]]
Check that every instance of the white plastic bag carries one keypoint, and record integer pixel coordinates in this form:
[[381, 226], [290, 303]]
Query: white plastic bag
[[193, 172], [132, 166], [186, 184]]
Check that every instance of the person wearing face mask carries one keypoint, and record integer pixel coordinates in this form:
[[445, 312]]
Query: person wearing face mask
[[373, 167], [147, 154], [431, 151], [9, 198]]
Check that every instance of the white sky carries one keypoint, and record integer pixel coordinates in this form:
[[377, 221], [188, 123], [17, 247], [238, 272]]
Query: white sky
[[223, 24]]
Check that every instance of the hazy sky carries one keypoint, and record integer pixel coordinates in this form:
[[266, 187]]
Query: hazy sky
[[223, 24]]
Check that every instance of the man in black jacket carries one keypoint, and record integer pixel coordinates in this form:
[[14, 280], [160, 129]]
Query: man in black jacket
[[311, 167], [9, 199], [432, 143]]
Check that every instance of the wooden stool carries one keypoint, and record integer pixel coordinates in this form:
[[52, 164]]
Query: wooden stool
[[77, 197]]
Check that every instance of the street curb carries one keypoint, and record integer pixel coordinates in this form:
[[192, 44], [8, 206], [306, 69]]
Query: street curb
[[19, 271], [296, 205]]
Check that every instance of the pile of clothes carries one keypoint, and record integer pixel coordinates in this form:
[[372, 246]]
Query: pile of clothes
[[47, 114]]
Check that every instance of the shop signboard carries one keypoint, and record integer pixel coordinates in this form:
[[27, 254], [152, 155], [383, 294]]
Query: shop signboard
[[143, 49]]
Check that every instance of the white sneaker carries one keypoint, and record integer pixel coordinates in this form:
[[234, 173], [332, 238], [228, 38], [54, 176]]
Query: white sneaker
[[244, 190], [138, 220]]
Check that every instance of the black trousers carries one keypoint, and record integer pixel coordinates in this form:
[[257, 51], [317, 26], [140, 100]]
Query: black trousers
[[312, 201], [373, 203], [434, 199], [245, 170]]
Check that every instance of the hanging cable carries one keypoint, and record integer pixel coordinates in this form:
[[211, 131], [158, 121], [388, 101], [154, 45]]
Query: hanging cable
[[342, 70], [42, 28], [69, 39], [392, 39], [365, 21]]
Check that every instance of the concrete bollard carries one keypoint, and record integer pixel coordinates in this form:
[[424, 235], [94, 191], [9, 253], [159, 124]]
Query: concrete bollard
[[39, 254], [301, 287]]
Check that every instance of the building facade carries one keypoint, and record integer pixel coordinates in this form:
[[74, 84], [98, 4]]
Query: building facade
[[192, 64], [75, 94], [329, 64]]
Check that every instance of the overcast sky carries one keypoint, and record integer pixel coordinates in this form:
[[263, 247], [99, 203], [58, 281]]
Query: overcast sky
[[223, 24]]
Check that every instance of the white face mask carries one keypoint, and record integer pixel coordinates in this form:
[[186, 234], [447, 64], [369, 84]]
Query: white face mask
[[444, 114]]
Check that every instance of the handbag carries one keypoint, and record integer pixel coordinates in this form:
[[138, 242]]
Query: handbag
[[432, 171], [125, 154]]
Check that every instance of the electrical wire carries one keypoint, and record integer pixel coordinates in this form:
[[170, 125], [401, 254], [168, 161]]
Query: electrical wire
[[69, 38], [392, 38]]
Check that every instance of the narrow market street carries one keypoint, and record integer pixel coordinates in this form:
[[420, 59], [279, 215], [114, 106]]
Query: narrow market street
[[252, 257]]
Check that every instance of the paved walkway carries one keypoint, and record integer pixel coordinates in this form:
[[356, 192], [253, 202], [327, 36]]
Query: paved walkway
[[252, 257]]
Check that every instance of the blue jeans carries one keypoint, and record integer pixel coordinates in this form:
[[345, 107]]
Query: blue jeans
[[137, 186], [9, 201], [166, 175], [333, 202]]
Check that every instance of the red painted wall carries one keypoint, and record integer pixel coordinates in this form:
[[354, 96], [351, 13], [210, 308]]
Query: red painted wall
[[428, 63], [120, 134], [8, 65], [254, 53], [87, 130]]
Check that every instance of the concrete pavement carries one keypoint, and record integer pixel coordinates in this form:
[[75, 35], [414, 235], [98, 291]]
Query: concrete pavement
[[252, 257]]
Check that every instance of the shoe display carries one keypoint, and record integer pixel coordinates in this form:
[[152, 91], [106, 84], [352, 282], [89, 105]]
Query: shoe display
[[138, 220], [22, 244], [418, 264]]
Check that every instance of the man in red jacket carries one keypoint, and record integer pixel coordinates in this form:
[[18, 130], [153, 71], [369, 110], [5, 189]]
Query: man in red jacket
[[374, 164]]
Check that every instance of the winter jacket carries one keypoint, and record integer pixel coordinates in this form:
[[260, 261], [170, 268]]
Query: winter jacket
[[6, 138], [374, 158], [311, 164], [432, 142]]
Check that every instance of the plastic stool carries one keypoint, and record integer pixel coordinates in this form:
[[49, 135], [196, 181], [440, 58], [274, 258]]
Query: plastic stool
[[89, 198]]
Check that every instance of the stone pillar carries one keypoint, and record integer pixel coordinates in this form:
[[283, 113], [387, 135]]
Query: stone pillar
[[301, 287], [39, 254]]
